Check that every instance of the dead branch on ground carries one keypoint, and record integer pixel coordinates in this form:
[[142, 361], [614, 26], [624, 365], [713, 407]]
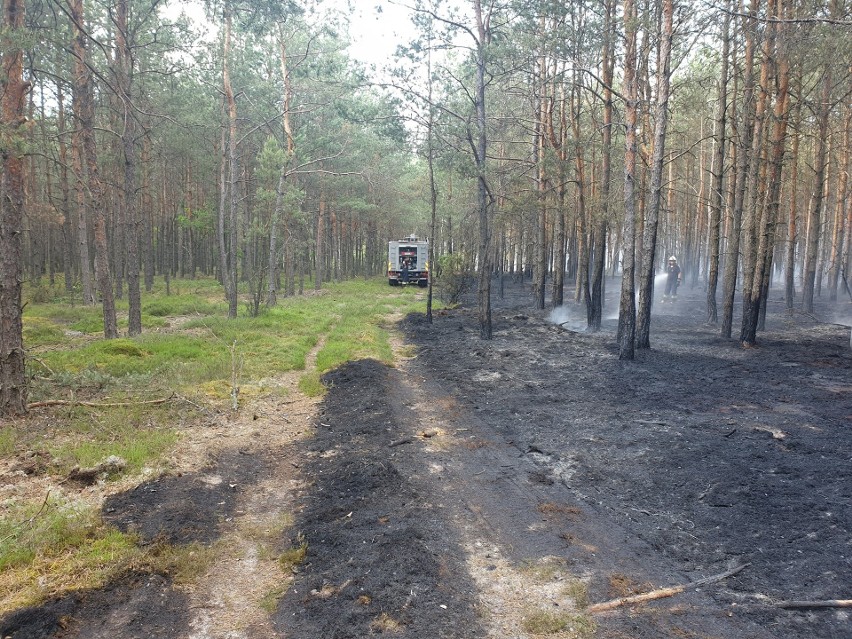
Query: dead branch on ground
[[66, 402], [662, 592], [829, 603]]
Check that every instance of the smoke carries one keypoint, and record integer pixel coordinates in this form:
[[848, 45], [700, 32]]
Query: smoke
[[571, 317], [844, 318]]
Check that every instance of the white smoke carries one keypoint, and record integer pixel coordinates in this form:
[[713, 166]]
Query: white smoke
[[571, 317]]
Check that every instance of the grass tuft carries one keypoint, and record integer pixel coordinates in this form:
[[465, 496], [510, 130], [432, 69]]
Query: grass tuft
[[8, 441], [293, 557], [577, 590], [573, 626], [385, 623], [269, 602]]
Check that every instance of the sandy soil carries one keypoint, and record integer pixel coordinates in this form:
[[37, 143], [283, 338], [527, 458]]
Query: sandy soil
[[481, 487]]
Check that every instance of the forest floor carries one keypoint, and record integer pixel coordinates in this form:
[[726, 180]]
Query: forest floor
[[497, 489]]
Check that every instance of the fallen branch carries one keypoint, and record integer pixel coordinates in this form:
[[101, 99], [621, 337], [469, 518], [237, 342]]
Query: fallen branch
[[63, 402], [36, 359], [662, 593], [830, 603]]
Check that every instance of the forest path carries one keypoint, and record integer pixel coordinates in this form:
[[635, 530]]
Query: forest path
[[244, 581]]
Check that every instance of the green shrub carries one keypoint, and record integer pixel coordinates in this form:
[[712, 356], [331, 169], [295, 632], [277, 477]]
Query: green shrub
[[454, 277]]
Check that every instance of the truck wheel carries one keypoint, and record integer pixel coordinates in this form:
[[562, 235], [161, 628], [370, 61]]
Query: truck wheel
[[423, 283], [393, 282]]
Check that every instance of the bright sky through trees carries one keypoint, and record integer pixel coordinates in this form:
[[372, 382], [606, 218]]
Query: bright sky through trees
[[375, 28], [377, 33]]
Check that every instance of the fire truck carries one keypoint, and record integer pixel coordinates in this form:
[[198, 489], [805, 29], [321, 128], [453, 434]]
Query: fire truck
[[408, 261]]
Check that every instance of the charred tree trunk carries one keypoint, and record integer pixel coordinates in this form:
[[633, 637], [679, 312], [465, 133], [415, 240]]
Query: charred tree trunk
[[627, 306], [540, 266], [581, 291], [840, 205], [595, 314], [743, 163], [646, 278], [751, 210], [754, 299], [717, 193], [792, 222]]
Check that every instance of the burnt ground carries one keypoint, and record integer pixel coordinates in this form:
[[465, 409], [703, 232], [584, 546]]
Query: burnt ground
[[703, 454], [428, 491]]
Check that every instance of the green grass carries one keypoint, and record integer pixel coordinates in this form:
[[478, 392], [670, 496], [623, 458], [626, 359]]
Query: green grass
[[8, 439], [269, 602], [188, 346], [293, 557], [57, 545], [543, 622], [202, 343], [49, 528], [182, 305], [137, 448], [40, 331]]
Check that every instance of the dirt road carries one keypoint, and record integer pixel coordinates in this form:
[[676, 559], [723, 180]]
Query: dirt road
[[495, 489]]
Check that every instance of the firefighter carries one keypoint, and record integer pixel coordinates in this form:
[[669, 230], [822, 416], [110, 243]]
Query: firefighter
[[405, 271], [672, 279]]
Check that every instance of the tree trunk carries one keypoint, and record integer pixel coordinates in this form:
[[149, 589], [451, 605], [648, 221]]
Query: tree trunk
[[792, 223], [646, 278], [815, 213], [124, 66], [752, 211], [230, 274], [319, 254], [278, 211], [717, 194], [433, 191], [483, 194], [840, 204], [222, 221], [754, 298], [540, 267], [557, 290], [13, 381], [581, 290], [743, 159], [78, 164], [67, 225], [85, 114], [559, 142], [627, 306], [595, 314], [147, 214]]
